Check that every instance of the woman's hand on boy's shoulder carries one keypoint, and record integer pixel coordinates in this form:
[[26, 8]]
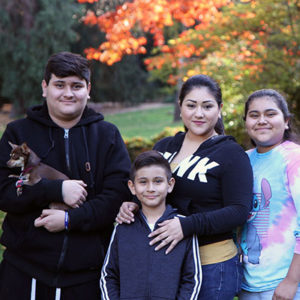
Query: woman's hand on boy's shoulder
[[170, 233], [126, 212]]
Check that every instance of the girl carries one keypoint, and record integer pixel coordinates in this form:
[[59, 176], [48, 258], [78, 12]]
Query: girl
[[271, 237], [213, 188]]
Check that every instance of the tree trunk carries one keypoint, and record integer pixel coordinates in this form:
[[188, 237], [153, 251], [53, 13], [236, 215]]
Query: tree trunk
[[176, 116]]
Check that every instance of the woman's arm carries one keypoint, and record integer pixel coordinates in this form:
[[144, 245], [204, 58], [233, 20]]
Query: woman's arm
[[236, 184]]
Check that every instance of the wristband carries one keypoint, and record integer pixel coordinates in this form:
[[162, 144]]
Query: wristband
[[66, 220]]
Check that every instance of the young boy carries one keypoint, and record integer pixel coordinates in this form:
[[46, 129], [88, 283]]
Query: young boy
[[134, 270]]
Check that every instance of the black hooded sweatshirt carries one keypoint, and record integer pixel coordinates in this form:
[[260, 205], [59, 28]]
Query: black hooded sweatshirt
[[92, 151], [213, 187]]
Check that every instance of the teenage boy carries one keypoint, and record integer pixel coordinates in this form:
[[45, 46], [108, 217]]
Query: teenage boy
[[134, 270], [54, 253]]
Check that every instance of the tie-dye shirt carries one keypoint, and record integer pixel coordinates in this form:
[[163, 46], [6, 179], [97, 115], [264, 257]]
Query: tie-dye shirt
[[271, 235]]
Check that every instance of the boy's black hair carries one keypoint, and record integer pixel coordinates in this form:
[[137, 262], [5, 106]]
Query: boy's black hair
[[64, 64], [150, 158]]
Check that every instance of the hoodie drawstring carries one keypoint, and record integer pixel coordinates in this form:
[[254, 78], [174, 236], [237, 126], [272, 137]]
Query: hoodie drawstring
[[33, 291], [87, 163]]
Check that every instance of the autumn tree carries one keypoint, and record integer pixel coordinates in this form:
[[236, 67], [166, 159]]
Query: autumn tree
[[245, 45]]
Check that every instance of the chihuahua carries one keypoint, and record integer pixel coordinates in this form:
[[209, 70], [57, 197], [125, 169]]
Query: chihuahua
[[32, 170]]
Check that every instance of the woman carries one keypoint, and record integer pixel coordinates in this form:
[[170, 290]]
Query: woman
[[213, 188], [271, 238]]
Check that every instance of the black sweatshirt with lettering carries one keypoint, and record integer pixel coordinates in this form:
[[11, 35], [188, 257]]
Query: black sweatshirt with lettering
[[213, 186]]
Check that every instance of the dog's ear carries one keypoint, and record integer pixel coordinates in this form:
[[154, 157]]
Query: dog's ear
[[14, 146], [25, 149]]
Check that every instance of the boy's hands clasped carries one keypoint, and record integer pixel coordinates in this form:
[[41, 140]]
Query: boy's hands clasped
[[74, 194]]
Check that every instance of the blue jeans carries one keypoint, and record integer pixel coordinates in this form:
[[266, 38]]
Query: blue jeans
[[221, 281]]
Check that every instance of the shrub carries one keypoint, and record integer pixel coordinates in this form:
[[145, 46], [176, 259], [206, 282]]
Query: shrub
[[137, 145]]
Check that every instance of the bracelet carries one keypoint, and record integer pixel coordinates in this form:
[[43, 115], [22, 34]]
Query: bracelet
[[66, 220]]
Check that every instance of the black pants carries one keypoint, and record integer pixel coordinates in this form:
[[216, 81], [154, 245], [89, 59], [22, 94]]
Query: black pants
[[16, 285]]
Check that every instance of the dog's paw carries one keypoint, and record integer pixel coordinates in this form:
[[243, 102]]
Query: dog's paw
[[13, 176]]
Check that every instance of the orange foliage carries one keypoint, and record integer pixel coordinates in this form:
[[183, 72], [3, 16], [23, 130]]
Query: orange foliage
[[152, 16], [199, 48]]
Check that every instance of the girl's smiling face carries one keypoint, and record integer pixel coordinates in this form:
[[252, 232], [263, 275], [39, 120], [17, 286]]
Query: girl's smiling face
[[265, 123]]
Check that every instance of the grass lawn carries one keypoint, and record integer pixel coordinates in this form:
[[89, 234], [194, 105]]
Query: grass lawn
[[144, 123]]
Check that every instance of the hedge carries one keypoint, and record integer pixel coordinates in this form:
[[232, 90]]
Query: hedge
[[137, 145]]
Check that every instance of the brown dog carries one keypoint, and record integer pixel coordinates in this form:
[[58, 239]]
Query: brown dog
[[33, 170]]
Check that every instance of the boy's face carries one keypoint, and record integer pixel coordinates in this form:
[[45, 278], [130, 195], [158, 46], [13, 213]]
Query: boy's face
[[66, 97], [151, 186]]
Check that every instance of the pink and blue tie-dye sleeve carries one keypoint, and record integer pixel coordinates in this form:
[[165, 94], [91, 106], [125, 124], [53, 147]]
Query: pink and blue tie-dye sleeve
[[293, 173]]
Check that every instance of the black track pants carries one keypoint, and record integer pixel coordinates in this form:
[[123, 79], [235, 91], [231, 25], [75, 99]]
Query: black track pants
[[16, 285]]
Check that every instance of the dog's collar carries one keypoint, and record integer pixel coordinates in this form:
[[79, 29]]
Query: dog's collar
[[26, 170]]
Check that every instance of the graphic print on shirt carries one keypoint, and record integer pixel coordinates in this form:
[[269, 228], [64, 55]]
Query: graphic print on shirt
[[257, 224], [200, 168]]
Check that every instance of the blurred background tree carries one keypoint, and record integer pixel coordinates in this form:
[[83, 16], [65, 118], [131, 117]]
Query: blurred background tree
[[31, 30]]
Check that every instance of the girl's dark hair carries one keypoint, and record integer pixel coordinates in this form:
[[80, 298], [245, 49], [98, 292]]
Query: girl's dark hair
[[64, 64], [199, 81], [281, 102], [150, 158]]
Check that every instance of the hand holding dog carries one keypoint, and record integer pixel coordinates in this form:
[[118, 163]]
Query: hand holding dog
[[74, 192], [52, 219]]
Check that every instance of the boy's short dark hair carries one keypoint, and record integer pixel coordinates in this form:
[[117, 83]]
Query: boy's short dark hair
[[64, 64], [150, 158]]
